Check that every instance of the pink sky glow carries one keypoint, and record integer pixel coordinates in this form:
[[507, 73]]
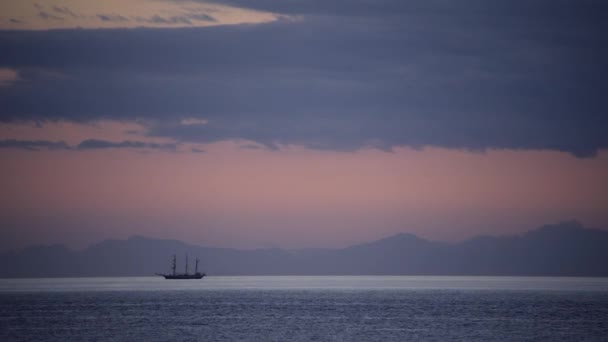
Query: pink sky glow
[[294, 197]]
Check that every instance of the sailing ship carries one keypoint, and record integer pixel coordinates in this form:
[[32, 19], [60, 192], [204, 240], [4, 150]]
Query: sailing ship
[[186, 274]]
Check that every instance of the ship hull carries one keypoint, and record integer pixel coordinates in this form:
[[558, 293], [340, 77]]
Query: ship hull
[[184, 276]]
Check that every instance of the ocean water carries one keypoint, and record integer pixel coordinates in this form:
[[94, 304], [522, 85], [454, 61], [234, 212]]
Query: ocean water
[[305, 309]]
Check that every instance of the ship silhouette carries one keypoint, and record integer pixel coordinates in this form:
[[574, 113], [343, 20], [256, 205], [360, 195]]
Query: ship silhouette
[[186, 274]]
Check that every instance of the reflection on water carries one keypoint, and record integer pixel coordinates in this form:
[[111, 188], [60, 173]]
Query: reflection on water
[[306, 282], [305, 309]]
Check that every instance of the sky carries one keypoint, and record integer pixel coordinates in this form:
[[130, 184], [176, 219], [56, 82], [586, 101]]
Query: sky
[[319, 123]]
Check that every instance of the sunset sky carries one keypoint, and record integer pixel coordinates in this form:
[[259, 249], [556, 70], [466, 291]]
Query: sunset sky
[[319, 123]]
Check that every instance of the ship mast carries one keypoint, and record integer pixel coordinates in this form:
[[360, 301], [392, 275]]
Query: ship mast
[[196, 267], [186, 263], [174, 264]]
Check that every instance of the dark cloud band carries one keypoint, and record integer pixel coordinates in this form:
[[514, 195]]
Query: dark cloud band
[[89, 144], [93, 144], [33, 145], [526, 76]]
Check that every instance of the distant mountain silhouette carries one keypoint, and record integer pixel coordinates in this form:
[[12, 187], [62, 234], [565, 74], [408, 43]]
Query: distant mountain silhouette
[[564, 249]]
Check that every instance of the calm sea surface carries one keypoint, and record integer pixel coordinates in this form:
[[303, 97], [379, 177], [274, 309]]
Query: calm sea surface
[[305, 309]]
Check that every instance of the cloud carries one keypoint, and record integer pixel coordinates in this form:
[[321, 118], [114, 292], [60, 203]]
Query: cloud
[[48, 16], [93, 144], [250, 147], [200, 17], [409, 74], [394, 8], [112, 18], [339, 7], [186, 19], [89, 144], [64, 10], [193, 121], [33, 145], [74, 14], [8, 76]]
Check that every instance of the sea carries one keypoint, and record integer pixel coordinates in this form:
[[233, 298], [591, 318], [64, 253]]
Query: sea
[[305, 308]]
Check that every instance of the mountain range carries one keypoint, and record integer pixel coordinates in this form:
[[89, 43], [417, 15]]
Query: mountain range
[[563, 249]]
